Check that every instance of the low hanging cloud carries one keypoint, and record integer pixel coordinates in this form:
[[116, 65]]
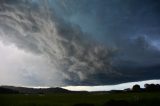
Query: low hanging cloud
[[22, 68], [79, 42], [36, 30]]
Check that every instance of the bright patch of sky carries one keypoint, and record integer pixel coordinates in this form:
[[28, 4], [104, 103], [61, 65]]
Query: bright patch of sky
[[111, 87], [22, 68]]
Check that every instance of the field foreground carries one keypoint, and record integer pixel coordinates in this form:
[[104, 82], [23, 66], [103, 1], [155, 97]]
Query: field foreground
[[80, 99]]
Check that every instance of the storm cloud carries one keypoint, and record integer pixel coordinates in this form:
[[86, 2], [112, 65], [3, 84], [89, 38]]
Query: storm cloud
[[36, 30], [83, 42]]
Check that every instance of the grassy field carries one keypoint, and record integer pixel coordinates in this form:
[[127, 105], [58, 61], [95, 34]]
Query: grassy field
[[98, 99]]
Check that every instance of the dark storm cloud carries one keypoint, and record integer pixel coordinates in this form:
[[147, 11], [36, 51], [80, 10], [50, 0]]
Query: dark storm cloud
[[38, 30], [131, 26], [89, 41], [114, 18]]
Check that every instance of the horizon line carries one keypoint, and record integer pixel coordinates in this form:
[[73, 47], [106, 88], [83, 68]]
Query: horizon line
[[120, 86]]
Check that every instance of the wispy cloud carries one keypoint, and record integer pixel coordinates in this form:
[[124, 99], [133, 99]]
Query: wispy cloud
[[85, 42]]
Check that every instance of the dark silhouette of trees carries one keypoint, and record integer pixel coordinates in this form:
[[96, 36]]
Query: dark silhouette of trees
[[147, 88], [152, 87], [136, 88]]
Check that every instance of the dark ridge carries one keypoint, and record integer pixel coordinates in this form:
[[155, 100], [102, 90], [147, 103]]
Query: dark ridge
[[4, 90], [25, 90]]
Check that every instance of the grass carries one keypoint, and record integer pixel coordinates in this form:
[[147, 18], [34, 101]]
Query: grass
[[98, 99]]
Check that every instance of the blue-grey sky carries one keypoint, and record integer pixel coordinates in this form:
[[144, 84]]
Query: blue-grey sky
[[79, 42]]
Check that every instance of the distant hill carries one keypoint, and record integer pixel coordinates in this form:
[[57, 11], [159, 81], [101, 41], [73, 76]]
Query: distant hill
[[25, 90], [4, 90]]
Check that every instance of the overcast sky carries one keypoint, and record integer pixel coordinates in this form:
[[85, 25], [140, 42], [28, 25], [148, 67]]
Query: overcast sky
[[79, 42]]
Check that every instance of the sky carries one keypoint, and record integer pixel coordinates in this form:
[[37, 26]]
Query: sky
[[79, 42]]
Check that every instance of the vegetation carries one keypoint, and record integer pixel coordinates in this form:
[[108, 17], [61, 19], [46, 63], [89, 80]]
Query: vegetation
[[139, 97], [97, 99]]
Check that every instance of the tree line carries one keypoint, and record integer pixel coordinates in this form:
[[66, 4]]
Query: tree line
[[147, 87]]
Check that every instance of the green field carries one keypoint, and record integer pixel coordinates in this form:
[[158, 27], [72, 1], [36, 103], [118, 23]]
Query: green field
[[61, 99]]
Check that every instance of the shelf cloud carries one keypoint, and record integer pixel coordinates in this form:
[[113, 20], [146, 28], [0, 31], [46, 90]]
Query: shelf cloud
[[87, 42]]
